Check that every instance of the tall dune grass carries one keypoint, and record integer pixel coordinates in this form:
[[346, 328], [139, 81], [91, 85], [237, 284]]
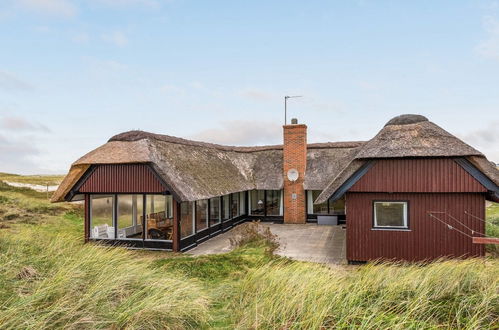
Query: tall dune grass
[[48, 282], [448, 294]]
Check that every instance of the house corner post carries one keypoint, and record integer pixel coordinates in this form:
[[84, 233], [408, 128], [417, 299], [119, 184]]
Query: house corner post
[[176, 226], [86, 222]]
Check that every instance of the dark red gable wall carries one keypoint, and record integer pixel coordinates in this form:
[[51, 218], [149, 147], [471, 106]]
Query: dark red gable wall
[[427, 238], [122, 178], [417, 175]]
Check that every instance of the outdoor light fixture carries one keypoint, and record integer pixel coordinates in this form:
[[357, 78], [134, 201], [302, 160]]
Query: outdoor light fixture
[[286, 106]]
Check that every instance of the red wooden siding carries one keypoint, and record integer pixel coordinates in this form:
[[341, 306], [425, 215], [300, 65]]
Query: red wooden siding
[[427, 238], [122, 178], [417, 175]]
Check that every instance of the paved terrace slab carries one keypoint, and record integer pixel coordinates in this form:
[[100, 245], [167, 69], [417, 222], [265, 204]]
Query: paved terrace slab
[[305, 242]]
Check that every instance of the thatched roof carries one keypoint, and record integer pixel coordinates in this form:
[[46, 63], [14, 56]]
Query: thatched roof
[[198, 170], [410, 136], [414, 136]]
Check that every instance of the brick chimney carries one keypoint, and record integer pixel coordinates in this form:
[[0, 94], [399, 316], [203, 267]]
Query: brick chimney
[[295, 158]]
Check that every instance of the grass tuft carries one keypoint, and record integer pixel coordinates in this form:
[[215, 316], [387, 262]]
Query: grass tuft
[[450, 294], [59, 283]]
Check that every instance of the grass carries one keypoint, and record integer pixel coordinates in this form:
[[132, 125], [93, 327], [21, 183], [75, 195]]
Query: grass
[[450, 294], [49, 279], [51, 180], [60, 283]]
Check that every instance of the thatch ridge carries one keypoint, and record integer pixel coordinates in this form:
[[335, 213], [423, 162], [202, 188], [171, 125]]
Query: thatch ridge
[[137, 135], [406, 119]]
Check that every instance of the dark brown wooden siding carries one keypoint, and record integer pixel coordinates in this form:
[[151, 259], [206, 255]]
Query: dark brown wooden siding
[[417, 175], [122, 178], [426, 239]]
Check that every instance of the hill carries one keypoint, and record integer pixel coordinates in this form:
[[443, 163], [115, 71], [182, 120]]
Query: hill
[[50, 279]]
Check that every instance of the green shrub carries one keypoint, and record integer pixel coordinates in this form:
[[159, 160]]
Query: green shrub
[[251, 232]]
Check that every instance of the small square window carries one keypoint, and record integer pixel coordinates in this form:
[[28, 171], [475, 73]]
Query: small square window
[[390, 214]]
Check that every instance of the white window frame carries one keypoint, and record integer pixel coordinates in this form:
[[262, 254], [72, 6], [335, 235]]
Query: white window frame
[[375, 220]]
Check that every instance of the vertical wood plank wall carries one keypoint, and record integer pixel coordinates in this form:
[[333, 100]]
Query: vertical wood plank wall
[[427, 238], [428, 184], [122, 178], [417, 175]]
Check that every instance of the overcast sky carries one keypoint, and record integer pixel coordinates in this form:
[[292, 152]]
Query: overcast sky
[[75, 72]]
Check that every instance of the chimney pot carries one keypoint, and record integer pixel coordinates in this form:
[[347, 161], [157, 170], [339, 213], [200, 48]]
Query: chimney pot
[[294, 121]]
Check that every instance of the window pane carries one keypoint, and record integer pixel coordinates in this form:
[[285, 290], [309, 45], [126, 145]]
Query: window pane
[[242, 203], [273, 202], [318, 208], [214, 211], [186, 219], [101, 217], [257, 203], [226, 207], [201, 215], [235, 205], [130, 216], [338, 206], [169, 206], [158, 225], [390, 214]]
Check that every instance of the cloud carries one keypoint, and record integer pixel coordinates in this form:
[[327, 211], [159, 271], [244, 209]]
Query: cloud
[[9, 82], [172, 89], [20, 124], [42, 29], [127, 3], [105, 65], [81, 37], [16, 156], [485, 136], [486, 140], [256, 94], [62, 8], [117, 38], [242, 132], [489, 48]]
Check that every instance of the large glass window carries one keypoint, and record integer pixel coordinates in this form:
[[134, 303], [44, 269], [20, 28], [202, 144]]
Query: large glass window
[[316, 208], [337, 207], [273, 202], [159, 220], [390, 214], [201, 215], [226, 207], [186, 219], [214, 211], [234, 209], [328, 207], [101, 216], [257, 203], [242, 203], [130, 216]]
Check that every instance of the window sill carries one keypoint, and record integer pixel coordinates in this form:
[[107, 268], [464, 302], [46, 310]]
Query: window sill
[[390, 229]]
